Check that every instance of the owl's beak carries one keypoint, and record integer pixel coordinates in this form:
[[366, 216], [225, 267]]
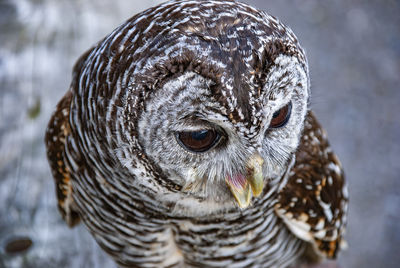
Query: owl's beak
[[243, 187]]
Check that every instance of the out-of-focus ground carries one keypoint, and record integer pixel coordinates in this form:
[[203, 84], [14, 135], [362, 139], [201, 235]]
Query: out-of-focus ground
[[353, 48]]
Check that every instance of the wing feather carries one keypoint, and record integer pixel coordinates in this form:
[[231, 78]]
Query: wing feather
[[313, 204], [57, 132]]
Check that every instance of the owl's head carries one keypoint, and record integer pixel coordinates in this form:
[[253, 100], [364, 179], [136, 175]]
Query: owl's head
[[225, 116], [213, 95]]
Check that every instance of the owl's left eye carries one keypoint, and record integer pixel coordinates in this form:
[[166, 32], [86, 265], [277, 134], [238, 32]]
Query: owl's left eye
[[281, 117], [198, 141]]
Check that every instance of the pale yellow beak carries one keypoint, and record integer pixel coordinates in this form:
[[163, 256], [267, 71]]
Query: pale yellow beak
[[244, 186]]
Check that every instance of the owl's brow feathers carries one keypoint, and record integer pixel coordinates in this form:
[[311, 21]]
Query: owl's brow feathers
[[231, 42]]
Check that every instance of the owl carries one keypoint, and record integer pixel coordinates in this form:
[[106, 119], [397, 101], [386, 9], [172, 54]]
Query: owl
[[186, 140]]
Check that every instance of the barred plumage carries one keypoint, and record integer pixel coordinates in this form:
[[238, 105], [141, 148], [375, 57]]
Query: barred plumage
[[186, 140]]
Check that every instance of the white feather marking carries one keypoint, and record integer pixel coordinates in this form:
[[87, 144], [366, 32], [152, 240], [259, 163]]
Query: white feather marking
[[300, 228], [335, 168], [320, 234], [327, 209], [320, 224]]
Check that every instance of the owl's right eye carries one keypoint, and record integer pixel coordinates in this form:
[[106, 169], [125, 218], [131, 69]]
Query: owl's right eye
[[198, 141], [281, 117]]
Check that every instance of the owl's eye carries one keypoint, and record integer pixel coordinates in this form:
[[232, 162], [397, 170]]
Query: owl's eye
[[198, 141], [281, 117]]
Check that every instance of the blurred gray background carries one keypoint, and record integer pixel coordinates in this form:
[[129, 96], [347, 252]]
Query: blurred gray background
[[353, 47]]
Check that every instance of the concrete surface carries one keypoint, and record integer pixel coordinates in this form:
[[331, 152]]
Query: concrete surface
[[353, 48]]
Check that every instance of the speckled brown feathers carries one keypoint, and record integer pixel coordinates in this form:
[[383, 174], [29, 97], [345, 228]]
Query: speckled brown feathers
[[57, 132], [314, 201]]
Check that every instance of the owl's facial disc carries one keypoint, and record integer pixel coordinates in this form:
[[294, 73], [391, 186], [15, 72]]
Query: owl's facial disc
[[189, 133], [243, 186]]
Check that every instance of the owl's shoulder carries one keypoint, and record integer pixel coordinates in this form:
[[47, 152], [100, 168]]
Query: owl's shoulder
[[313, 204], [57, 133]]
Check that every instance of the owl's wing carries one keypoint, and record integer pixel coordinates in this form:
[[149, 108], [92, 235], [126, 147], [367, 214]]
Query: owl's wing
[[313, 204], [57, 132]]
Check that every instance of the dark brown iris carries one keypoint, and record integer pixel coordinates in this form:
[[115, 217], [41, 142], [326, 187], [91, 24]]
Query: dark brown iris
[[198, 141], [281, 117]]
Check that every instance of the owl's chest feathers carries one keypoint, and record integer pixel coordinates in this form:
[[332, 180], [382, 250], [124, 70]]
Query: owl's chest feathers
[[248, 237], [229, 235], [178, 230]]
